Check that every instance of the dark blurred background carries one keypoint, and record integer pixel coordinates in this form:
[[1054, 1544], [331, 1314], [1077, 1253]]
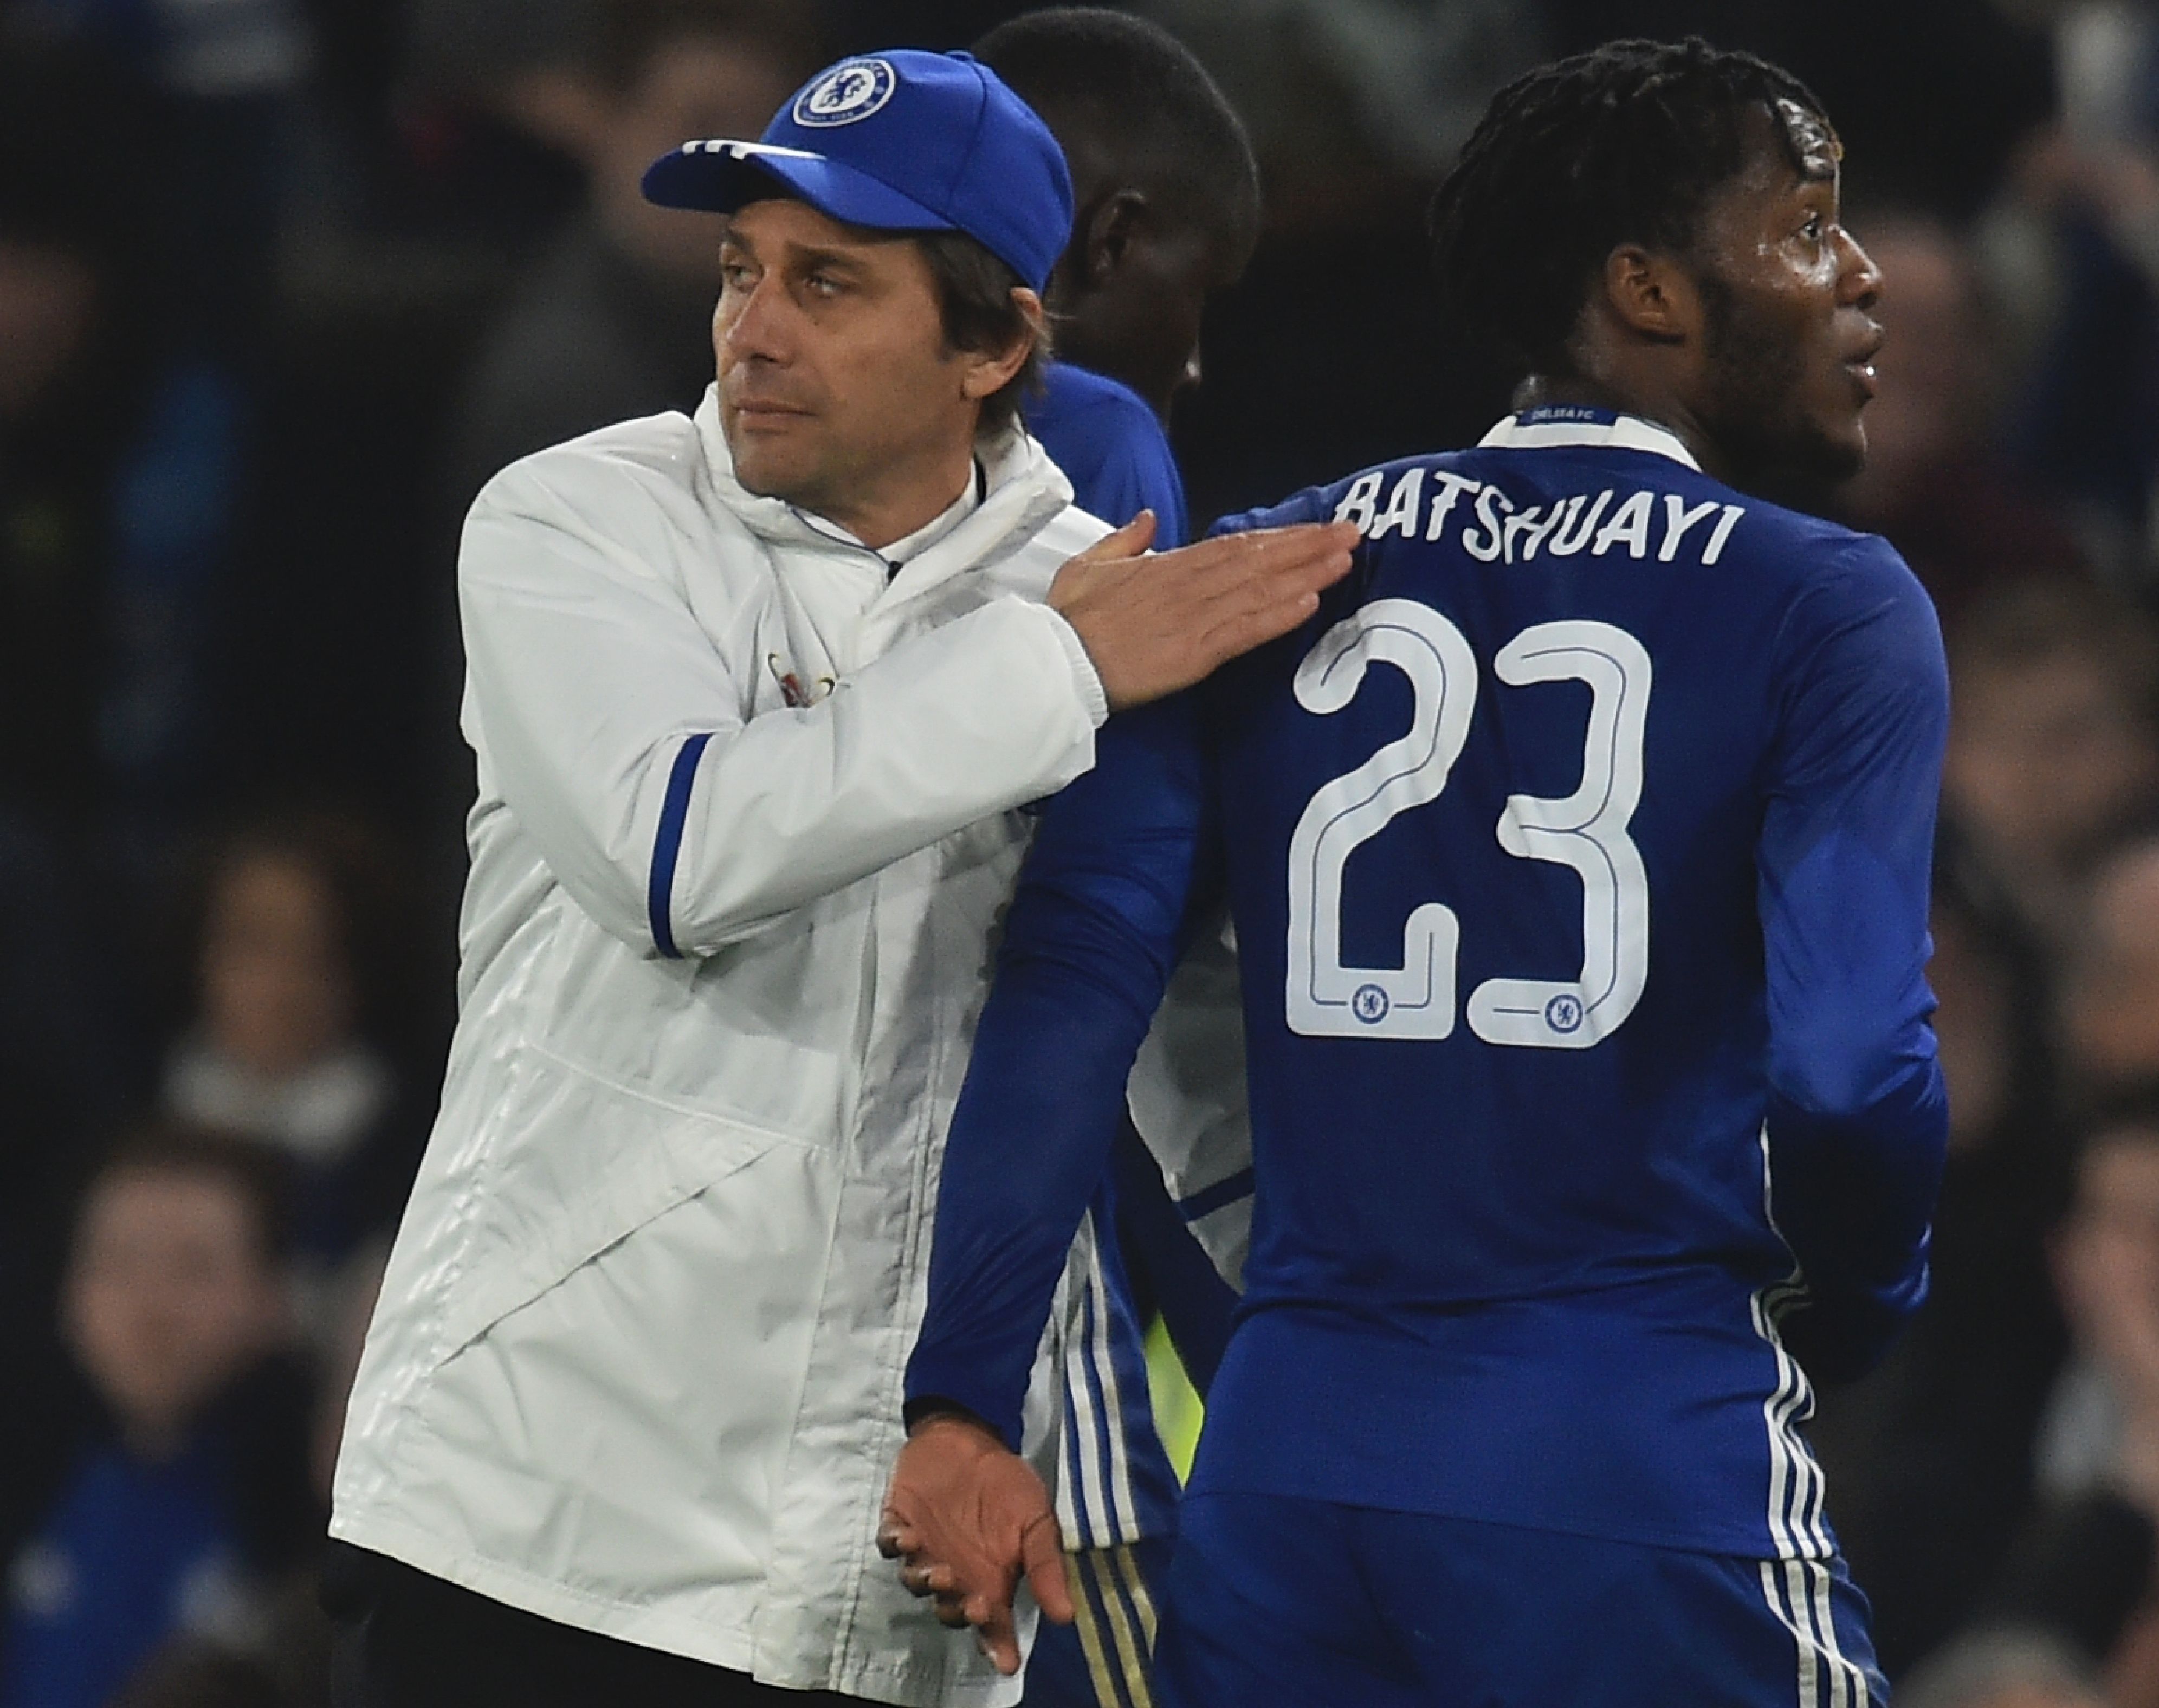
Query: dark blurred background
[[284, 281]]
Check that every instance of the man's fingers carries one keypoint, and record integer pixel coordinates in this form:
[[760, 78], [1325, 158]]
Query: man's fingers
[[1233, 556], [1236, 632], [1309, 565], [1043, 1551], [896, 1537], [1267, 542], [923, 1578], [993, 1629], [1127, 541]]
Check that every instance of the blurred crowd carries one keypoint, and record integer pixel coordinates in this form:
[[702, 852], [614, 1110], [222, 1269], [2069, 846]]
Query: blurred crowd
[[284, 281]]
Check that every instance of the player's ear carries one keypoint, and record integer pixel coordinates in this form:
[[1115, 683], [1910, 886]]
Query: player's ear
[[985, 372], [1108, 234], [1651, 295]]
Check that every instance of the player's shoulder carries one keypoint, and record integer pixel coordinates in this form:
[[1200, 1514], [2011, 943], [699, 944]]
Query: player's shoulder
[[1089, 420], [1334, 500], [1809, 543], [1818, 561], [650, 454], [1069, 390]]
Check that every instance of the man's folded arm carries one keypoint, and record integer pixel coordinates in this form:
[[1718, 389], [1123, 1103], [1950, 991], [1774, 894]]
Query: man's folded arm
[[618, 734], [1094, 931]]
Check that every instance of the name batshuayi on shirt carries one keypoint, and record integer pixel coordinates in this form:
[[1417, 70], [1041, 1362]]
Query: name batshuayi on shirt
[[1426, 504]]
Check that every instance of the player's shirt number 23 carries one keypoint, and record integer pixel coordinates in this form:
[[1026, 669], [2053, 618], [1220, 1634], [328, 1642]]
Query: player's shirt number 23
[[1586, 830]]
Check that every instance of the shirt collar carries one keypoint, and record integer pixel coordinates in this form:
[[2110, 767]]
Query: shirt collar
[[1551, 425], [910, 545]]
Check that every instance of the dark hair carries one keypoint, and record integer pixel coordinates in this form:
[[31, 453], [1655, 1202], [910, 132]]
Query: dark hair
[[258, 1174], [1133, 90], [975, 302], [632, 31], [1623, 144], [377, 917]]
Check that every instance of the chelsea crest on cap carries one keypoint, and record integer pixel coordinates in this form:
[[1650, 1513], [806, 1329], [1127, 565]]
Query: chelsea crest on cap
[[851, 91], [898, 141]]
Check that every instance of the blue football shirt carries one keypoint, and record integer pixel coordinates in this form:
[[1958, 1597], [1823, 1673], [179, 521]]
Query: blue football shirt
[[1578, 854], [132, 1552], [1117, 1484], [1111, 448]]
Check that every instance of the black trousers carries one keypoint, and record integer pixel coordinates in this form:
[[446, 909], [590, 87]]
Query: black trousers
[[407, 1640]]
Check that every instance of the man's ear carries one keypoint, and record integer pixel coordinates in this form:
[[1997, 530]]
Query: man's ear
[[1107, 235], [1651, 295], [988, 371]]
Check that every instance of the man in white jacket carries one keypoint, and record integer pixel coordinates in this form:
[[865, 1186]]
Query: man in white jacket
[[758, 698]]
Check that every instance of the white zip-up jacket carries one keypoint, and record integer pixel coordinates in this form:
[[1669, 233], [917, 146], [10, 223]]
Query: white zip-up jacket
[[748, 814]]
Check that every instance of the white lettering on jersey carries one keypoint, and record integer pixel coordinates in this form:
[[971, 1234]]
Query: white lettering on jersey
[[1500, 531], [1358, 504], [1725, 524], [1678, 519], [1630, 523], [1527, 523], [1326, 998], [1443, 499], [1401, 514], [1572, 534], [1486, 547], [1586, 830], [1449, 488]]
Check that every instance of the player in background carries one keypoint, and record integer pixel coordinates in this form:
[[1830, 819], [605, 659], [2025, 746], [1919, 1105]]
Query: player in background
[[1578, 854], [1166, 197], [1167, 211]]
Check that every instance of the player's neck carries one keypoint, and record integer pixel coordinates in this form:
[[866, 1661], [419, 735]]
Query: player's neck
[[1650, 403], [908, 500]]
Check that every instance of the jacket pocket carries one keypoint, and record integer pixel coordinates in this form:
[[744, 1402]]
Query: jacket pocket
[[580, 1164]]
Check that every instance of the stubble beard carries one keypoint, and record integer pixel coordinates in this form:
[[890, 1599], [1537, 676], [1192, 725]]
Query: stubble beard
[[1757, 383]]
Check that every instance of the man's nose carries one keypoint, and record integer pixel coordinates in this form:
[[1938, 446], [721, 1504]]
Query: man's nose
[[758, 326], [1859, 280]]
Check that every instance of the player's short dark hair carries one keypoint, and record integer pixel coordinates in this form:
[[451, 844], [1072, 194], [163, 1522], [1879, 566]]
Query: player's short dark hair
[[1623, 144], [258, 1176], [975, 302], [629, 32], [1133, 88]]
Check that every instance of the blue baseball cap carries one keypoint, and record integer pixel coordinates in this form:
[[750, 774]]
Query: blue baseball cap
[[900, 141]]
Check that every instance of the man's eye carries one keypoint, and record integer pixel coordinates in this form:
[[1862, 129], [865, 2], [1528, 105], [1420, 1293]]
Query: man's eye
[[1815, 228], [735, 274], [823, 285]]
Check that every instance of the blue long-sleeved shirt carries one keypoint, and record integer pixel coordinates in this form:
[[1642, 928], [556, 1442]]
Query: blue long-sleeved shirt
[[1578, 854], [1115, 1481]]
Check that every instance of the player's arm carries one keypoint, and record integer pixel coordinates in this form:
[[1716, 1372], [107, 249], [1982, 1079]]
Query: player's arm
[[616, 731], [1092, 934], [1857, 1119]]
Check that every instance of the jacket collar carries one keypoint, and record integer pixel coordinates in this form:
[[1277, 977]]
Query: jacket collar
[[1552, 426], [1022, 490]]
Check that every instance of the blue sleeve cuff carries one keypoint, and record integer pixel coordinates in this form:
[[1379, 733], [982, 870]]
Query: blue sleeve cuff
[[667, 846]]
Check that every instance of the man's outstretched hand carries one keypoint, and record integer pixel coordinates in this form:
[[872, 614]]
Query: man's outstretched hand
[[965, 1517], [1153, 625]]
